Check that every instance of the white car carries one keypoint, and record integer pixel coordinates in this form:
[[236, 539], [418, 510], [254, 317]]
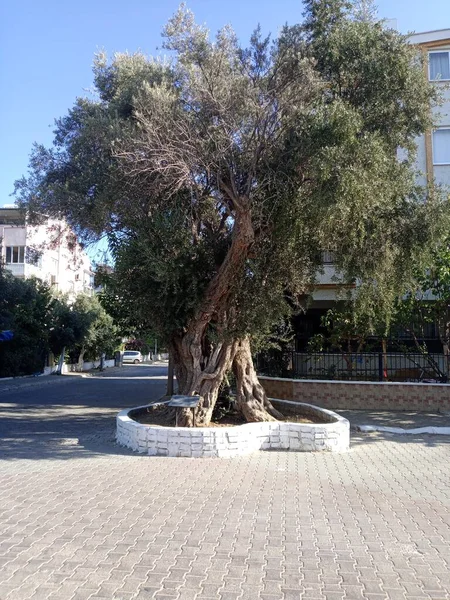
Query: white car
[[132, 356]]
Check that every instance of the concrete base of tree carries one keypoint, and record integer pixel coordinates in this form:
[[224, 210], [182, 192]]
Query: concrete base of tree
[[333, 435]]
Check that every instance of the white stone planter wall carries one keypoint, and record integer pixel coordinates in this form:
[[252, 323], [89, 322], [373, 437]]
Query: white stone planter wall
[[227, 442]]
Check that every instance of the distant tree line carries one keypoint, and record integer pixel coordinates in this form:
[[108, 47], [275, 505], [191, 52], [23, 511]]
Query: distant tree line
[[43, 323]]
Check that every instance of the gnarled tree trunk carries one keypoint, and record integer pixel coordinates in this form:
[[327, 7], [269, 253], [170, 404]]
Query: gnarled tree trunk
[[200, 371], [200, 365], [203, 375], [251, 398]]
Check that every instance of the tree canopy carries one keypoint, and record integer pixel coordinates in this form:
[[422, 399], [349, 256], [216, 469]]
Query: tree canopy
[[220, 174], [26, 309]]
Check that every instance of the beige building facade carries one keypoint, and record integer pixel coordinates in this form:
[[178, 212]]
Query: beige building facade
[[433, 158]]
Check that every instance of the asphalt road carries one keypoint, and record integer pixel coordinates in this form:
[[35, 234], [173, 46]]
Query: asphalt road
[[59, 417]]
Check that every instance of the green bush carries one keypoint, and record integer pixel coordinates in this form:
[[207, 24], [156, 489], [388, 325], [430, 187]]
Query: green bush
[[25, 309]]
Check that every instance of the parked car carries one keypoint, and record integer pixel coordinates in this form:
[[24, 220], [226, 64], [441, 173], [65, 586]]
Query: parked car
[[132, 356]]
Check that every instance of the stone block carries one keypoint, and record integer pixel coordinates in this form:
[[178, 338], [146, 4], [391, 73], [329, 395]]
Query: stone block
[[173, 447], [195, 433], [142, 433], [210, 453], [294, 444]]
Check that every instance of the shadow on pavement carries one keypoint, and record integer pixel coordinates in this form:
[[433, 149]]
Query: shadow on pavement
[[59, 436], [403, 419], [60, 422], [360, 438]]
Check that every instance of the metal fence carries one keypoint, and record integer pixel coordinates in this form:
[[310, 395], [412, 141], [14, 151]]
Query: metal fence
[[363, 366]]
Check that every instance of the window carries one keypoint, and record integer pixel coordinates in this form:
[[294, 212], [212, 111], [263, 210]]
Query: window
[[441, 146], [15, 255], [439, 65]]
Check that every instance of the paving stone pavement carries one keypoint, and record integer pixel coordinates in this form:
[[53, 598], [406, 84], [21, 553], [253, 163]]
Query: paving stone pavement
[[82, 519], [407, 419]]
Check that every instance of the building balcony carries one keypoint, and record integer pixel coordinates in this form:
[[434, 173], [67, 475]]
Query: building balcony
[[18, 270]]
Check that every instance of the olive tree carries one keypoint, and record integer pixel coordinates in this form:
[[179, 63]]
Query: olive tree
[[220, 174]]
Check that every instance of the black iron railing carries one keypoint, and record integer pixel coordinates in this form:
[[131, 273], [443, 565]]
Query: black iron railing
[[361, 366]]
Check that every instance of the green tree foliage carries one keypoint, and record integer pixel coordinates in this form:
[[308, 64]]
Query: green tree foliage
[[365, 10], [220, 175], [428, 302], [42, 323], [26, 308], [101, 333], [83, 329], [347, 331], [69, 326]]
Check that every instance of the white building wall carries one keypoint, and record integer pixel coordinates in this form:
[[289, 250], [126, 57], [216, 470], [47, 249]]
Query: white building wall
[[68, 269]]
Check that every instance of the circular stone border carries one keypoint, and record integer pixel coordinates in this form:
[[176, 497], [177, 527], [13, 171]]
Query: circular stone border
[[237, 440]]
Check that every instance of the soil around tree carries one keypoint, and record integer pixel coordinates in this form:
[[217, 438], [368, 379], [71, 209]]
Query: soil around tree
[[163, 416]]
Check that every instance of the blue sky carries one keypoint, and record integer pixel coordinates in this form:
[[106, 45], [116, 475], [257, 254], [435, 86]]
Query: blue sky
[[47, 46]]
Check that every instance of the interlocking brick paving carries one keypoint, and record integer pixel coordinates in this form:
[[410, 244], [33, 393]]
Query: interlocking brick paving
[[81, 518]]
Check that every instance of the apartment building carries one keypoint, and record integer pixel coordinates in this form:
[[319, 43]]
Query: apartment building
[[434, 147], [49, 252]]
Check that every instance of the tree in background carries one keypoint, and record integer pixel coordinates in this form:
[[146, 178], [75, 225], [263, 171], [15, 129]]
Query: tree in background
[[83, 329], [221, 175], [102, 336], [42, 322], [26, 308], [427, 305], [68, 329], [424, 306]]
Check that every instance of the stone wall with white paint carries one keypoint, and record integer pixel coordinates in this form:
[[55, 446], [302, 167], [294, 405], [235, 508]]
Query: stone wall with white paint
[[227, 442], [87, 366]]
